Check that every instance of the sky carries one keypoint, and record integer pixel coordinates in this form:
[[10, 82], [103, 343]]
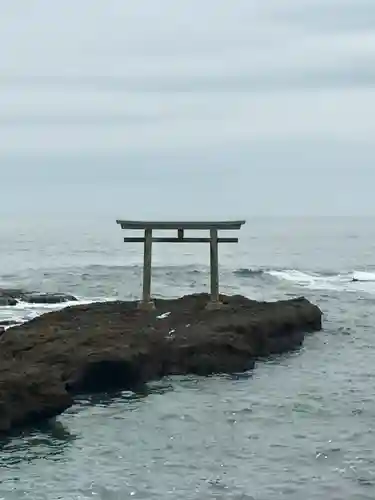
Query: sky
[[208, 108]]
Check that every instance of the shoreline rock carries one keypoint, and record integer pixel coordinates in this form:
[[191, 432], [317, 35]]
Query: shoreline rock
[[11, 296], [112, 346]]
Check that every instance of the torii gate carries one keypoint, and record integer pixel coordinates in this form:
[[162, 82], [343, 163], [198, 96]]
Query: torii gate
[[149, 226]]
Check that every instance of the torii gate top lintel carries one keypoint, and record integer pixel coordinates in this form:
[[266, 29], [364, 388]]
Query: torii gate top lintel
[[224, 224]]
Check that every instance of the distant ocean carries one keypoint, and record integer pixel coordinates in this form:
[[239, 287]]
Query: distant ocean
[[299, 426]]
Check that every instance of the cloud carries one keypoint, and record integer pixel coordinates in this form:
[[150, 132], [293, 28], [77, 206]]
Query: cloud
[[326, 16], [185, 45], [169, 77], [187, 122]]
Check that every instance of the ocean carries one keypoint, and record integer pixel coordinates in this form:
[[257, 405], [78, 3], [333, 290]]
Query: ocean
[[301, 425]]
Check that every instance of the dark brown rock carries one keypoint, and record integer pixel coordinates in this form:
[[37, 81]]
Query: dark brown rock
[[5, 324], [14, 293], [10, 296], [7, 301], [107, 346], [47, 298], [29, 397], [9, 322]]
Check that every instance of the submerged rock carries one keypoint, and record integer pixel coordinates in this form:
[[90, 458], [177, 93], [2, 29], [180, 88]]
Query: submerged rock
[[47, 298], [10, 297], [14, 293], [107, 346], [7, 301]]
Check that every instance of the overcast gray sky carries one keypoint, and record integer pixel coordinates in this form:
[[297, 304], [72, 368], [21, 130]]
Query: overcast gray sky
[[276, 97]]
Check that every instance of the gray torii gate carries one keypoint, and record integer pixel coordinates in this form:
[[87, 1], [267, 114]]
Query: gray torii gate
[[149, 226]]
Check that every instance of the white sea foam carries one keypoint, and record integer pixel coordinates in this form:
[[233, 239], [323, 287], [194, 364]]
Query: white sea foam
[[295, 276], [364, 276], [52, 307], [23, 311], [364, 281]]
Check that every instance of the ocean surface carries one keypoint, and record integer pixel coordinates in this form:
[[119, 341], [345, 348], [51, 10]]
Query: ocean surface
[[300, 426]]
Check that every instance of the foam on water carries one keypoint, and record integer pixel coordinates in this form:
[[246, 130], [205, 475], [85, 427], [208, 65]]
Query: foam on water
[[342, 282], [299, 426], [243, 280], [364, 276], [24, 311]]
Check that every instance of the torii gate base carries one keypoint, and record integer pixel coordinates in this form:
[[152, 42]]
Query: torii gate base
[[146, 303]]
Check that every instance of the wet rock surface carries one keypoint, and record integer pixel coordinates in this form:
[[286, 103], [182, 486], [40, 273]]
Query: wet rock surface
[[106, 346], [10, 297], [7, 301], [5, 324], [47, 298]]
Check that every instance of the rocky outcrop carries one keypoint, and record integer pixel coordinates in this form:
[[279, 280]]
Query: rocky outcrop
[[115, 345], [12, 293], [7, 301], [10, 297], [47, 298]]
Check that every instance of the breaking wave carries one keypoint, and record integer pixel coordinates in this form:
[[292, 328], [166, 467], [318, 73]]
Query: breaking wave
[[356, 281], [24, 311], [360, 281], [176, 277]]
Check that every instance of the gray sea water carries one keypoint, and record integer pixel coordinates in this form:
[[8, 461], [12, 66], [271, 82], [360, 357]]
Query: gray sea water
[[299, 426]]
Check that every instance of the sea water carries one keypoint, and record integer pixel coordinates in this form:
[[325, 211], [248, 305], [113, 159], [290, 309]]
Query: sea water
[[300, 425]]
